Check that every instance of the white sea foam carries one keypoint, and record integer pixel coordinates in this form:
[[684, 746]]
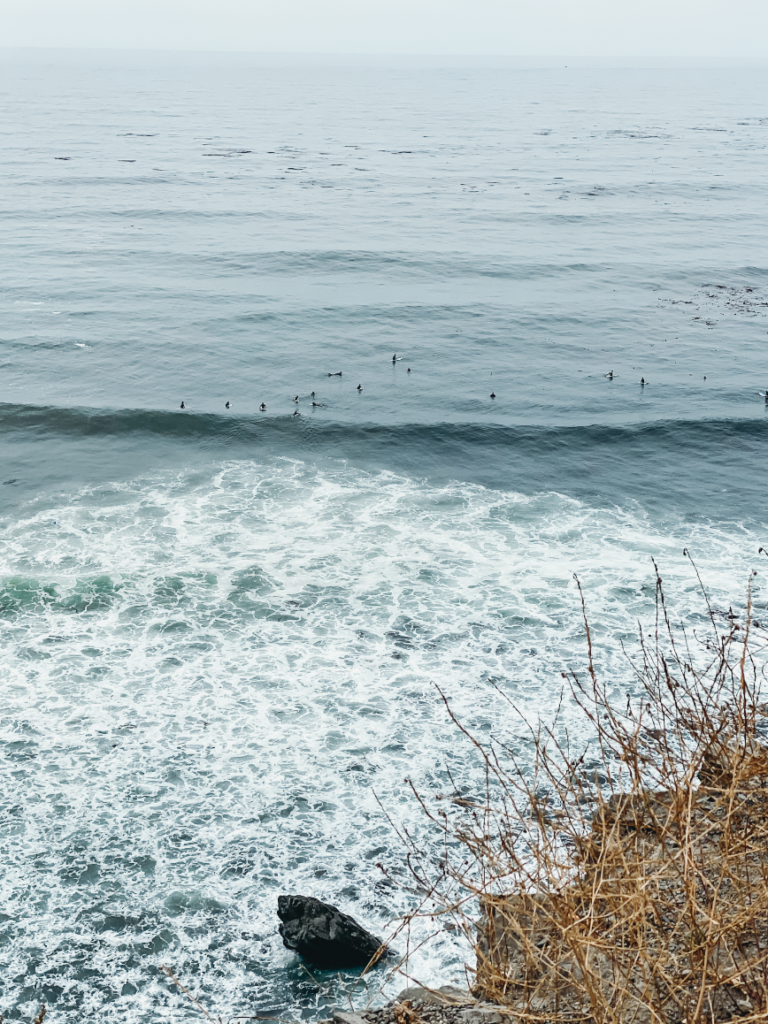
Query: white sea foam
[[209, 678]]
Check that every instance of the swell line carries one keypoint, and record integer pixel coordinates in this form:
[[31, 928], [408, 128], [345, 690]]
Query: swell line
[[52, 421]]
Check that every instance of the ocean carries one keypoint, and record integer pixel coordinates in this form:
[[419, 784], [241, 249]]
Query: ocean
[[225, 630]]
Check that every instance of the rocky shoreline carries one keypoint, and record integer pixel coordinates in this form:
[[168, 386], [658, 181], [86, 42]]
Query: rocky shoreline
[[326, 937], [446, 1005]]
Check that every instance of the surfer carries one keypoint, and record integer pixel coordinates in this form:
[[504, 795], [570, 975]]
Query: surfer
[[182, 406], [263, 407]]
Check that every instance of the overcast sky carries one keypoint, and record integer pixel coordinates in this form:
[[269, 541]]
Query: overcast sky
[[689, 28]]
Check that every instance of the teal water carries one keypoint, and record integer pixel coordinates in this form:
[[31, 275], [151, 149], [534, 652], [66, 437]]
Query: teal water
[[222, 627]]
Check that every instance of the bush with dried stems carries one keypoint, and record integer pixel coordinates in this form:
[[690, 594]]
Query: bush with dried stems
[[631, 886]]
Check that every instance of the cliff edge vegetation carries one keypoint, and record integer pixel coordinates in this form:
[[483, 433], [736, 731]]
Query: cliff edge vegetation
[[630, 887]]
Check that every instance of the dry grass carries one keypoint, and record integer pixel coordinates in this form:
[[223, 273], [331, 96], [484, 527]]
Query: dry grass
[[637, 892]]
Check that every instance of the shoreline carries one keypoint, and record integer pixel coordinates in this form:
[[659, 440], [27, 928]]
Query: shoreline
[[444, 1005]]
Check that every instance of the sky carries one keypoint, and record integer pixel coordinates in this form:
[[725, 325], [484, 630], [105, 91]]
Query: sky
[[733, 29]]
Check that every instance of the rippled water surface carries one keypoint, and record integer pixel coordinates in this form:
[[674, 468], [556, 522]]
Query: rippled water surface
[[222, 628]]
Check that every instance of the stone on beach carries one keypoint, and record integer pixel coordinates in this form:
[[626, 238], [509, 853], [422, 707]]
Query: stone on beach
[[416, 1005], [323, 935]]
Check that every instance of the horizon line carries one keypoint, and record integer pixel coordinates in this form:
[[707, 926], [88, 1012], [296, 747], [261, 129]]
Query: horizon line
[[584, 60]]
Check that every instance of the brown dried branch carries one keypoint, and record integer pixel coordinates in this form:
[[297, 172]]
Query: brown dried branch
[[636, 894]]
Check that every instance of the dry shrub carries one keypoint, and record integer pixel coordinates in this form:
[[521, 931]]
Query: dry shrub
[[636, 891]]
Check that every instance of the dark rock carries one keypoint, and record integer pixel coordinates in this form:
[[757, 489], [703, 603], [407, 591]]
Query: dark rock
[[323, 935]]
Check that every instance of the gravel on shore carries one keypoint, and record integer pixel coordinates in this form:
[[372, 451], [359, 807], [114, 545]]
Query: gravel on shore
[[446, 1005]]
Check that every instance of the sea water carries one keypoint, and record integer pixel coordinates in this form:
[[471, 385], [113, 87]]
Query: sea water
[[227, 632]]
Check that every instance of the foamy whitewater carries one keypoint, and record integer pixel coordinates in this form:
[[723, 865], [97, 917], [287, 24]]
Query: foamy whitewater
[[223, 632]]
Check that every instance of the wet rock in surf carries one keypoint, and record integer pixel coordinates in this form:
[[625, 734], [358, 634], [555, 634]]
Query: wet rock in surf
[[323, 935]]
